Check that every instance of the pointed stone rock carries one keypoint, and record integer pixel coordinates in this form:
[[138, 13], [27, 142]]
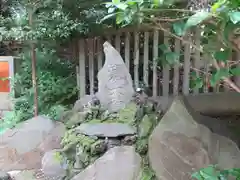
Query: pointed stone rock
[[115, 87]]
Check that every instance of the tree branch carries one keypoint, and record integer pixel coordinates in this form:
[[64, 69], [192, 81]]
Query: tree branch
[[225, 79]]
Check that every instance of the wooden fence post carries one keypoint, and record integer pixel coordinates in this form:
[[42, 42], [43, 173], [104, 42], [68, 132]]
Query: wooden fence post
[[82, 66], [166, 69], [186, 66], [155, 56], [136, 59], [146, 58]]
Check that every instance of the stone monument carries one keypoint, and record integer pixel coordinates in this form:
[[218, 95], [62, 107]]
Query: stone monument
[[115, 87]]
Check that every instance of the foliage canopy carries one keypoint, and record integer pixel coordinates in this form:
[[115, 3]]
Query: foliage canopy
[[219, 23], [52, 21]]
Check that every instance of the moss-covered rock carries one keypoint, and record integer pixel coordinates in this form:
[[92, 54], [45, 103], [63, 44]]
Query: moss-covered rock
[[142, 146], [91, 148], [147, 173], [76, 119], [145, 126], [66, 115], [79, 148]]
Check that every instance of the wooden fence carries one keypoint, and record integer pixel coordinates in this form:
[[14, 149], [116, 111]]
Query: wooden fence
[[140, 51]]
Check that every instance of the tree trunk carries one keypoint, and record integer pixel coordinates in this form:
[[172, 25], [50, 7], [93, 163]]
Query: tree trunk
[[34, 80]]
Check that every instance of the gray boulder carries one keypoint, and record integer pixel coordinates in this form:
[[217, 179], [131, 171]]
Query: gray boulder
[[23, 147], [30, 175], [119, 163], [179, 145], [54, 165]]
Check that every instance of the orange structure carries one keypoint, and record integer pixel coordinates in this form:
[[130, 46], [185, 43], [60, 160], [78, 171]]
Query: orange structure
[[4, 73]]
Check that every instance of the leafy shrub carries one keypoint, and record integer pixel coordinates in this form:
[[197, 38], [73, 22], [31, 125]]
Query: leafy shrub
[[212, 173], [56, 79]]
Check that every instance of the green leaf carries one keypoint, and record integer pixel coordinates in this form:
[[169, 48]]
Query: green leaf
[[235, 172], [209, 173], [224, 174], [222, 55], [131, 2], [163, 47], [234, 17], [193, 74], [107, 17], [217, 76], [235, 71], [120, 18], [218, 5], [172, 57], [115, 1], [178, 28], [196, 81], [199, 84], [121, 6], [197, 176], [158, 2], [235, 4], [197, 19]]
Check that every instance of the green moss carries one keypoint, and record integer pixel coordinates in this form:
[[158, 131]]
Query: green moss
[[72, 140], [127, 115], [147, 174], [145, 127], [142, 146], [58, 157], [95, 121], [146, 171]]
